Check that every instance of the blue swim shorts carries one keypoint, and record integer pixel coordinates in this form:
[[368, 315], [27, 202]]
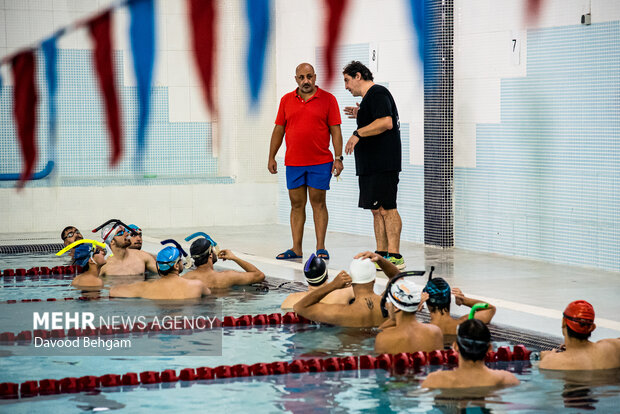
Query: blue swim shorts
[[315, 176]]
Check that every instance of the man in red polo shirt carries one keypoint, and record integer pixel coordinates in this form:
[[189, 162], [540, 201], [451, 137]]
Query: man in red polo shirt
[[307, 117]]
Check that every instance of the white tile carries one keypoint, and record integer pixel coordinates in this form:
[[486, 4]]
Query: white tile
[[465, 144], [172, 7], [17, 32], [176, 32], [16, 5], [178, 72], [179, 104], [2, 32], [160, 77], [60, 5], [42, 24], [198, 106], [477, 100]]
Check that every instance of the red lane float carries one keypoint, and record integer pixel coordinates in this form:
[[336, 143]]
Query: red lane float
[[37, 272], [397, 363]]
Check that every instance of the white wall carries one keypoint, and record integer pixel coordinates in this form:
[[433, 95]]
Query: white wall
[[483, 33]]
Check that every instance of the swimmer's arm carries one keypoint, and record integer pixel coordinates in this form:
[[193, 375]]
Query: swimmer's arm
[[149, 262], [329, 313], [484, 315], [132, 290], [251, 275], [388, 267]]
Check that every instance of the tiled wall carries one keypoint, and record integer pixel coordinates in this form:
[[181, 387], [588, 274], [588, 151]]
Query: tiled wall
[[174, 149], [547, 179]]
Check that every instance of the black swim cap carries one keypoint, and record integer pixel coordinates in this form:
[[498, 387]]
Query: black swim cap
[[200, 251], [315, 270], [438, 291], [473, 338]]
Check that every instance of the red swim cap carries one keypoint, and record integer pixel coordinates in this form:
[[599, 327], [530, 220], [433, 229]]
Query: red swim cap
[[579, 316]]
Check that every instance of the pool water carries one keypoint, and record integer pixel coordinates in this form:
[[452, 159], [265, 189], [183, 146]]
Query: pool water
[[363, 390]]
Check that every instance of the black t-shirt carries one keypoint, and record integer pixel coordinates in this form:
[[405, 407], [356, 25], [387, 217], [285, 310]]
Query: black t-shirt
[[382, 152]]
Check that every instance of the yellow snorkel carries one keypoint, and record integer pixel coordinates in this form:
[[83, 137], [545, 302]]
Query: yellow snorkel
[[78, 242]]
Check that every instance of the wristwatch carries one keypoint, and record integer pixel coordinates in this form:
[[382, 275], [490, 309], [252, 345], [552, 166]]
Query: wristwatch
[[339, 158], [356, 133]]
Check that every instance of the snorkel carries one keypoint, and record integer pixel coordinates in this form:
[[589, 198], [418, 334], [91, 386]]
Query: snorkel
[[186, 263], [476, 308], [206, 236], [393, 280], [116, 222], [94, 245]]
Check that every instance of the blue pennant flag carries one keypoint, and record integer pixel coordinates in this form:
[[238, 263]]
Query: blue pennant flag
[[258, 14], [420, 16], [142, 38], [50, 52]]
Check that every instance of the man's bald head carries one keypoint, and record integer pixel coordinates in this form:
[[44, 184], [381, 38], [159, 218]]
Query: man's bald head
[[304, 67], [305, 78]]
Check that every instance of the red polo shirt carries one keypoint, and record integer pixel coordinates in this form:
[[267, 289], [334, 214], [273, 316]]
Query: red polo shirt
[[306, 127]]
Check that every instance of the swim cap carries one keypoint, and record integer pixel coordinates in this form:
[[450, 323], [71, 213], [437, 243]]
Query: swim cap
[[438, 291], [473, 337], [109, 231], [167, 257], [362, 271], [134, 227], [579, 316], [200, 251], [405, 294], [315, 270], [82, 254]]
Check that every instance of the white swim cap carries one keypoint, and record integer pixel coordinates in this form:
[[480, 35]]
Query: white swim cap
[[405, 294], [362, 271], [109, 231]]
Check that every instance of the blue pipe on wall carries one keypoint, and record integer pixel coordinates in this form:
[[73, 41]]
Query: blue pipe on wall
[[36, 176]]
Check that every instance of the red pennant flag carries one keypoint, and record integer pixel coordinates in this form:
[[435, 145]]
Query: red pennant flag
[[25, 110], [100, 29], [532, 10], [202, 15], [336, 10]]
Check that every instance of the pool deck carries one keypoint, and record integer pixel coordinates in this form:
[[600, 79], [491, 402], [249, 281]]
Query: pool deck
[[528, 294]]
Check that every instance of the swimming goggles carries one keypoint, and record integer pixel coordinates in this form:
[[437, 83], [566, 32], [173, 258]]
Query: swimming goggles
[[71, 234]]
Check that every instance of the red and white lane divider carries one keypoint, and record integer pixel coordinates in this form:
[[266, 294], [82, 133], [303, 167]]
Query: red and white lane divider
[[397, 363], [40, 271]]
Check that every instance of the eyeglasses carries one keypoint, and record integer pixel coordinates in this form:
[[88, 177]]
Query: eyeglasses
[[71, 234]]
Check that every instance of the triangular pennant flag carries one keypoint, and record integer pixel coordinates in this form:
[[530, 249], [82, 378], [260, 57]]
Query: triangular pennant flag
[[419, 19], [532, 10], [50, 52], [25, 109], [100, 31], [335, 10], [258, 14], [142, 38], [202, 16]]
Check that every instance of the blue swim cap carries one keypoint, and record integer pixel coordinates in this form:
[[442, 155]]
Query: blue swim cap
[[134, 227], [438, 291], [82, 253], [167, 257]]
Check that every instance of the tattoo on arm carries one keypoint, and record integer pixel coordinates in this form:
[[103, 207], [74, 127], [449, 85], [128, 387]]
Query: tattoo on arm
[[370, 303]]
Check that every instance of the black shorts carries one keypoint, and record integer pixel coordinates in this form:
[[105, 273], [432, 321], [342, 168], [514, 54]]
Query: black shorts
[[378, 190]]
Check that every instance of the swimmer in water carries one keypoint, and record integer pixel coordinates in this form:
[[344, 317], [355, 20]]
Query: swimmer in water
[[315, 271], [204, 255], [169, 285], [578, 352], [136, 238], [437, 297], [124, 261], [401, 301], [90, 255], [364, 312], [473, 341], [70, 234]]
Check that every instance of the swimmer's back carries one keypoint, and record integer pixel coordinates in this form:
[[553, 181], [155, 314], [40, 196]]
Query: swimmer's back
[[604, 354]]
